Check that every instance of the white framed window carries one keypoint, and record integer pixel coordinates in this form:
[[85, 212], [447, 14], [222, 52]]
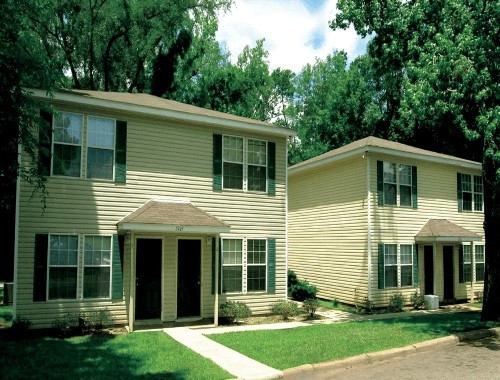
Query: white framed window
[[467, 263], [100, 147], [396, 184], [67, 144], [244, 265], [244, 164], [479, 262], [398, 265], [62, 267], [97, 266], [470, 192]]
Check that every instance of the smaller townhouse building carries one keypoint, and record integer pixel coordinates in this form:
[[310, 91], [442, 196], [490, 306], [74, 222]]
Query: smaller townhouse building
[[376, 217], [156, 211]]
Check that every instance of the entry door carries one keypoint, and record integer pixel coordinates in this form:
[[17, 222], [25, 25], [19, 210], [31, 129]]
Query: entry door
[[429, 269], [148, 279], [448, 273], [188, 278]]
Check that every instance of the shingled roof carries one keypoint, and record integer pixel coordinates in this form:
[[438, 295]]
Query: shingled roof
[[168, 216], [445, 231]]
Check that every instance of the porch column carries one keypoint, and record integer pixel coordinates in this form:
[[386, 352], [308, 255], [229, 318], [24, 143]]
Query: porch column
[[434, 255], [472, 270], [131, 304], [216, 283]]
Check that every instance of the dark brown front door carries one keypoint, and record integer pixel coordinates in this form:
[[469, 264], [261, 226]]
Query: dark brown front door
[[188, 278], [448, 273], [148, 279]]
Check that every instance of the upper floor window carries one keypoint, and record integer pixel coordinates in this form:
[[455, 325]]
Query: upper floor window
[[244, 164], [100, 147], [67, 150], [396, 184], [470, 192]]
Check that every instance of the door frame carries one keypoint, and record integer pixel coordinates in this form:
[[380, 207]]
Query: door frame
[[201, 240]]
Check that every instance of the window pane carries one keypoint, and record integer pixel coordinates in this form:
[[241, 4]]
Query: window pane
[[478, 193], [96, 282], [406, 275], [389, 172], [479, 253], [257, 152], [68, 128], [467, 252], [67, 160], [63, 250], [100, 163], [256, 278], [231, 279], [391, 276], [405, 195], [62, 283], [467, 273], [405, 175], [256, 252], [232, 149], [389, 194], [466, 183], [406, 254], [101, 133], [257, 178], [232, 251], [233, 176], [391, 254], [479, 272], [466, 201]]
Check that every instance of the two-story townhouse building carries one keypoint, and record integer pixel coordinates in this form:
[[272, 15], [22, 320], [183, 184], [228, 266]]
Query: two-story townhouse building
[[156, 211], [374, 218]]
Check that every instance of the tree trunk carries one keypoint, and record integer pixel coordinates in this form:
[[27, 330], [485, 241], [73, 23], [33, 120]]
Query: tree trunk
[[491, 295]]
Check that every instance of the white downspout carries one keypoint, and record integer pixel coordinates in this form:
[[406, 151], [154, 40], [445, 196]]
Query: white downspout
[[369, 237]]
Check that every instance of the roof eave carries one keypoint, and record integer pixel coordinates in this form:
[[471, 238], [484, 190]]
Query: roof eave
[[446, 239], [166, 228]]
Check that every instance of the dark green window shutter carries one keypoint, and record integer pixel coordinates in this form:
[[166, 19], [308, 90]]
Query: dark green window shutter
[[415, 266], [414, 198], [45, 143], [40, 269], [271, 168], [121, 152], [380, 182], [459, 191], [271, 265], [217, 162], [117, 267], [381, 266], [461, 264]]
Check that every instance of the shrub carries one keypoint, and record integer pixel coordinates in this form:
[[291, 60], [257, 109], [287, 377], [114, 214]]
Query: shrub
[[20, 327], [478, 296], [417, 300], [65, 325], [292, 279], [285, 309], [231, 311], [397, 302], [335, 303], [302, 290], [311, 305], [368, 306], [95, 321]]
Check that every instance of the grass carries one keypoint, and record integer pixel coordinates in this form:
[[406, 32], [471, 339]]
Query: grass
[[149, 355], [5, 316], [318, 343]]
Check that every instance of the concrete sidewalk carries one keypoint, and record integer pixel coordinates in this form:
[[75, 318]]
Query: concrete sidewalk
[[243, 367]]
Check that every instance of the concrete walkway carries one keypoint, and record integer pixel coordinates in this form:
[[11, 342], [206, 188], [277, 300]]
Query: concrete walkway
[[243, 367]]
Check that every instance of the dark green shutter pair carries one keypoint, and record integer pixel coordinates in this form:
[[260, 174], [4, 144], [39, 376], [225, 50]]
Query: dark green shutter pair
[[381, 266], [271, 265], [217, 165], [380, 185], [40, 268], [45, 146]]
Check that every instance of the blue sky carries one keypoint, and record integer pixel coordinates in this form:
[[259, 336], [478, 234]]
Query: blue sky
[[296, 32]]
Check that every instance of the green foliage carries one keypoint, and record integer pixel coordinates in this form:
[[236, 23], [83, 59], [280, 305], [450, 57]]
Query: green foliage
[[302, 290], [335, 303], [368, 306], [417, 300], [65, 325], [292, 279], [286, 309], [20, 326], [95, 321], [397, 302], [311, 305], [478, 296], [232, 311]]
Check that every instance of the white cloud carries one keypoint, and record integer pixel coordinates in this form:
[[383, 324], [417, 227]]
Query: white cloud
[[294, 34]]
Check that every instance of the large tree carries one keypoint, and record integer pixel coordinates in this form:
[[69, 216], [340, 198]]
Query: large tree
[[439, 60]]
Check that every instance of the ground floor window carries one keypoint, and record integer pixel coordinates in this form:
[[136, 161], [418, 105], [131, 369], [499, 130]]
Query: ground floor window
[[63, 266], [479, 261], [244, 265], [397, 265], [471, 257], [97, 266]]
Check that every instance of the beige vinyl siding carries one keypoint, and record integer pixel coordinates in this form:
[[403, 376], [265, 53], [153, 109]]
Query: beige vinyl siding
[[437, 199], [327, 229], [164, 159]]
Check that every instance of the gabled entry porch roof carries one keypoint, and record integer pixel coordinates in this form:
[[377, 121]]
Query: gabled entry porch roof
[[167, 215], [442, 230]]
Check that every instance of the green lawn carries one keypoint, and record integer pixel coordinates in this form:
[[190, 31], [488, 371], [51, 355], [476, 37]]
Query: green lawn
[[150, 355], [5, 316], [289, 348]]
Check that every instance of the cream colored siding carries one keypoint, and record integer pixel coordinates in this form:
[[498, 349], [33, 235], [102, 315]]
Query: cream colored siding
[[327, 229], [164, 159]]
